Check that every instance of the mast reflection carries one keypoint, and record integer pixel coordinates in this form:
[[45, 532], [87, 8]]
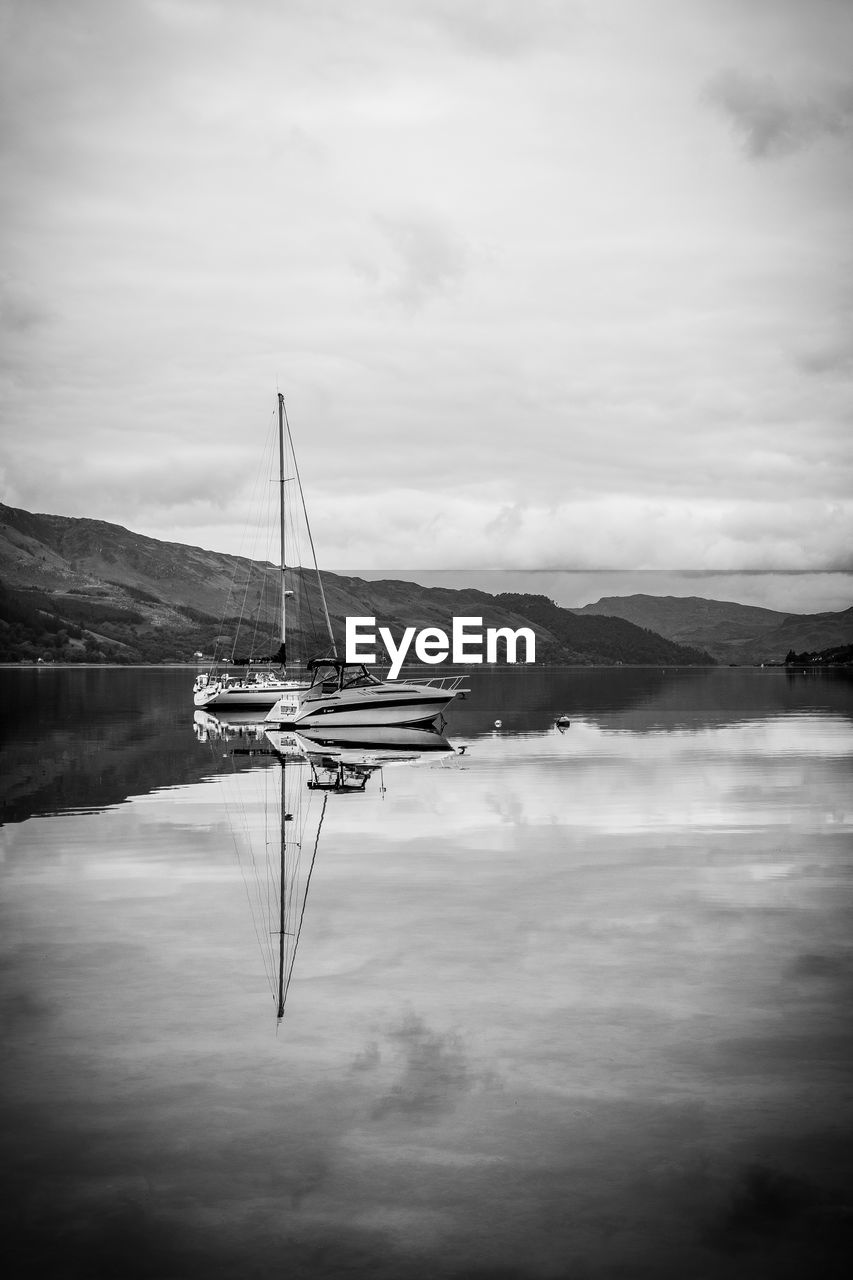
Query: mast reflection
[[276, 821]]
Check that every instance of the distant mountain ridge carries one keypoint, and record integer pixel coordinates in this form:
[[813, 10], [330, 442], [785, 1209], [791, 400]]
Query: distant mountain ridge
[[79, 589], [730, 632]]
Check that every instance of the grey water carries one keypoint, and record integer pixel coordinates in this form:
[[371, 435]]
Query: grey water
[[567, 1001]]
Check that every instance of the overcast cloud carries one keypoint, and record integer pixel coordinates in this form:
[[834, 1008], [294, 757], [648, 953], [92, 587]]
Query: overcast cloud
[[545, 284]]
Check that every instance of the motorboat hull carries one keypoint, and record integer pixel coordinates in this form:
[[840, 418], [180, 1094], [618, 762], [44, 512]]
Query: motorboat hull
[[392, 738], [376, 705], [344, 759]]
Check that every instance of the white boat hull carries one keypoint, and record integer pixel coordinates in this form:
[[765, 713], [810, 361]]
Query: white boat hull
[[238, 693], [223, 698], [375, 705], [393, 738]]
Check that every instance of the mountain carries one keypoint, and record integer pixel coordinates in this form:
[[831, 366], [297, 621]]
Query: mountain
[[729, 632], [609, 637], [85, 590]]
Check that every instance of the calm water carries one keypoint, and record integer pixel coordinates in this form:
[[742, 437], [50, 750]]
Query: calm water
[[565, 1004]]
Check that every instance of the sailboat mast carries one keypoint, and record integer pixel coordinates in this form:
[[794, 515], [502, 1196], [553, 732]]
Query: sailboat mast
[[281, 520], [281, 891], [283, 413]]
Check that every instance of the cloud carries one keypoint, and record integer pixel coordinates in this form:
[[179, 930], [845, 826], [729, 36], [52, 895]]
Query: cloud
[[770, 123], [421, 257], [21, 310], [433, 1072], [495, 284], [502, 28], [831, 355], [597, 531], [820, 965], [764, 1203]]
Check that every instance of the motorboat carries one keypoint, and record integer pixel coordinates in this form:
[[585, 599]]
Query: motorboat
[[346, 694]]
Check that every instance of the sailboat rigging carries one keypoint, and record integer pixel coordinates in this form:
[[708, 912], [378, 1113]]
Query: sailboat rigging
[[337, 693], [262, 686], [276, 832], [287, 953]]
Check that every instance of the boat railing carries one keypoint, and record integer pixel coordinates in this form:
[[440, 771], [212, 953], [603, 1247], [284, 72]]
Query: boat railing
[[451, 683]]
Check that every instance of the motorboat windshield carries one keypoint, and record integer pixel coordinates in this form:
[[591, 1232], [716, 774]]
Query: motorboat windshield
[[334, 675]]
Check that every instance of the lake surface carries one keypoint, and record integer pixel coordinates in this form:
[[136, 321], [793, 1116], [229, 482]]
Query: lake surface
[[564, 1003]]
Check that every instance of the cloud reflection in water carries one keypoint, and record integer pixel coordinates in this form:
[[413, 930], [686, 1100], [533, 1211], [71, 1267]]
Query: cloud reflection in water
[[579, 1007]]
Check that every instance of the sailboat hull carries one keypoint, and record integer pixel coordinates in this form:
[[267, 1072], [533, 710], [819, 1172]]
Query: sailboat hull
[[242, 694]]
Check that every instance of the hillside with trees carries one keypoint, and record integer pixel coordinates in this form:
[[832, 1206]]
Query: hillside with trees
[[76, 590]]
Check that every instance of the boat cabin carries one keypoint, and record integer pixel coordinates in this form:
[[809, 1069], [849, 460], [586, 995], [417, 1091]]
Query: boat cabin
[[331, 675], [332, 775]]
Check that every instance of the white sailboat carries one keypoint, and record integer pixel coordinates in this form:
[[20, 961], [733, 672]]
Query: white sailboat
[[262, 687], [338, 693]]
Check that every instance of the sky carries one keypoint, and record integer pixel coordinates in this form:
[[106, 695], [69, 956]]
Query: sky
[[549, 285]]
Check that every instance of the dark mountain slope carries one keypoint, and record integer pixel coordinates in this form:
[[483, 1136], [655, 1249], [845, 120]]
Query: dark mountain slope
[[685, 617], [85, 589], [607, 636], [730, 632]]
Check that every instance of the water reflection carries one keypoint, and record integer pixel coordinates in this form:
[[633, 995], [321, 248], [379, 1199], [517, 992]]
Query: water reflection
[[345, 761], [567, 1004], [276, 828], [80, 739]]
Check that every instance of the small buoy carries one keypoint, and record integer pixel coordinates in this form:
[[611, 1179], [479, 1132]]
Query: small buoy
[[498, 724]]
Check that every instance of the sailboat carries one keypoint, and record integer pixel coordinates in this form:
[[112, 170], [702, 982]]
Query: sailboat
[[338, 693], [262, 687]]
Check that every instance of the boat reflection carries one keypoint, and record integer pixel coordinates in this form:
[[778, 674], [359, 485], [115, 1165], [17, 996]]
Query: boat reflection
[[346, 761], [227, 726], [276, 822]]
